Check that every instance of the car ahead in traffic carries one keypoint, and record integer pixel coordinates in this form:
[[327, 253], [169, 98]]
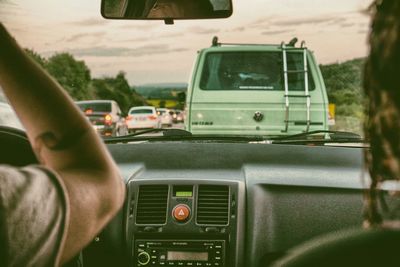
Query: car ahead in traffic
[[8, 117], [177, 116], [165, 116], [105, 116], [142, 117], [253, 89]]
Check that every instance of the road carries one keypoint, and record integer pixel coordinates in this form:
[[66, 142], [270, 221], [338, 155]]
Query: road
[[174, 126]]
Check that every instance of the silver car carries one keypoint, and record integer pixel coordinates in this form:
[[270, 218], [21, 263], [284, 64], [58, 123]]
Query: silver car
[[143, 117], [165, 116]]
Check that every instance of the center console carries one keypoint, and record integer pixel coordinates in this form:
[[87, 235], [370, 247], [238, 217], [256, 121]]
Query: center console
[[184, 223], [180, 252]]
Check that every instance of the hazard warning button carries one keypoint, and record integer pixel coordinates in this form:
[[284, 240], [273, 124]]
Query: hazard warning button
[[181, 213]]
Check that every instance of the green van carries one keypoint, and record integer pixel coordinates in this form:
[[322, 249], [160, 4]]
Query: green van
[[249, 89]]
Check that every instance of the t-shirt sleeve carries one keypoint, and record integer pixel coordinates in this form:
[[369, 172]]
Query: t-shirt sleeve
[[33, 216]]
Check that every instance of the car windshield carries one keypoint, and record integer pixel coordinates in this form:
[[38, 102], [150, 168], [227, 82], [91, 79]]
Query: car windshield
[[141, 111], [95, 107], [247, 75]]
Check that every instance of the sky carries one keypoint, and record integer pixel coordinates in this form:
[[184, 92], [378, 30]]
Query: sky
[[152, 52]]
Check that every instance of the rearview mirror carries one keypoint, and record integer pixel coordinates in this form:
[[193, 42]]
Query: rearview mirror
[[167, 10]]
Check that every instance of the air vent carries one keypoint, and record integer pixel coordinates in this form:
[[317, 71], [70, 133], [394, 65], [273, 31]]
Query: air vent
[[213, 205], [152, 204]]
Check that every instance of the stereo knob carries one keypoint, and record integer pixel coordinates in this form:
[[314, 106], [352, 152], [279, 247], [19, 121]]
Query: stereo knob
[[143, 258]]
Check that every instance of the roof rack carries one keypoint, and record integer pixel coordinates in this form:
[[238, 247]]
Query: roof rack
[[292, 43]]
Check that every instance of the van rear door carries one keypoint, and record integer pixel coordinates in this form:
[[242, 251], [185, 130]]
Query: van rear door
[[242, 93]]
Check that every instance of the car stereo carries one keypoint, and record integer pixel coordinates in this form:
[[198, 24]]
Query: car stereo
[[179, 252]]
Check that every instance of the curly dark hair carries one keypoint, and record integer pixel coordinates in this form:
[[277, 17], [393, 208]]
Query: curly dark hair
[[382, 87]]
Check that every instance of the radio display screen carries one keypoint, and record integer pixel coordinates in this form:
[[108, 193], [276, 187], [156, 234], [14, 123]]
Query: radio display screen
[[183, 193], [187, 256]]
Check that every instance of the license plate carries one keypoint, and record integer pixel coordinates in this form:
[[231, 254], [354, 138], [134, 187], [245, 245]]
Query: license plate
[[98, 127]]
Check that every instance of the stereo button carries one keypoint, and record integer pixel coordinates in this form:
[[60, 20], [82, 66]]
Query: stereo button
[[181, 212]]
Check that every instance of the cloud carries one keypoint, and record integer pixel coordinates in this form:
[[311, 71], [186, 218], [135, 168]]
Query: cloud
[[8, 2], [201, 30], [238, 29], [168, 35], [347, 24], [151, 38], [140, 26], [80, 36], [307, 21], [363, 31], [136, 40], [329, 19], [18, 29], [274, 32], [123, 51], [90, 22], [10, 10]]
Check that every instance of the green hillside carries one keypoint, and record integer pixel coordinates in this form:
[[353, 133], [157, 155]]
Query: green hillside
[[166, 91], [344, 86]]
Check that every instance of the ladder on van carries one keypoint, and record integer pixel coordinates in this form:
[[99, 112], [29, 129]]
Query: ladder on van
[[288, 96]]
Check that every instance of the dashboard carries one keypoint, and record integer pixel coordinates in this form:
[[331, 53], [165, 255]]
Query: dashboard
[[226, 204]]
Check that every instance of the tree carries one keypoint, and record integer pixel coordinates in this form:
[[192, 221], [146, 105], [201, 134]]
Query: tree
[[344, 87], [162, 104], [343, 84], [73, 75], [36, 57], [117, 89]]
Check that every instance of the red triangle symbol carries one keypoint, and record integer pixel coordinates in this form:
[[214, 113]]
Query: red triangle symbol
[[181, 213]]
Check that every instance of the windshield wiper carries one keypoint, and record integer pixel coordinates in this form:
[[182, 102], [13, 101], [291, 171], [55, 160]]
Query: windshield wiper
[[165, 131], [179, 135], [322, 136]]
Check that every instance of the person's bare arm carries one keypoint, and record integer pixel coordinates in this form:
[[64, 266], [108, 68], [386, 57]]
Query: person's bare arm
[[65, 142]]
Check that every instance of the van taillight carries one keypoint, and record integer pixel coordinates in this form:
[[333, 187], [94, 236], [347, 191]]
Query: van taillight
[[152, 117], [128, 118], [108, 119]]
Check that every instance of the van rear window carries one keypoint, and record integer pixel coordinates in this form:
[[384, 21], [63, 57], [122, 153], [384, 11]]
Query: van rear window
[[252, 71]]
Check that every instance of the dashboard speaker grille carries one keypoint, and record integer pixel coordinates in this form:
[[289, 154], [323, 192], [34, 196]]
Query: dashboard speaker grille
[[213, 205], [152, 204]]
